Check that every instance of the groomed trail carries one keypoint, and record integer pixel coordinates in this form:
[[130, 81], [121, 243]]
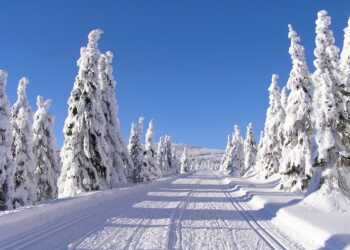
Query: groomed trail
[[193, 211]]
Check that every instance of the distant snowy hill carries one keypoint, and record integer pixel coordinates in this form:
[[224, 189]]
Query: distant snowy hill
[[202, 158]]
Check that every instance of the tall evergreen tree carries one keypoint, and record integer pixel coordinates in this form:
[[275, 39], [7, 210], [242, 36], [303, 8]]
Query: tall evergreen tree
[[140, 172], [331, 97], [7, 166], [234, 161], [226, 157], [271, 145], [250, 149], [124, 153], [84, 156], [296, 151], [150, 157], [237, 153], [161, 157], [44, 145], [184, 162], [22, 149], [110, 109]]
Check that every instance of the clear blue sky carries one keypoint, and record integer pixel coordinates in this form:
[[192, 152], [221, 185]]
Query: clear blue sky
[[195, 67]]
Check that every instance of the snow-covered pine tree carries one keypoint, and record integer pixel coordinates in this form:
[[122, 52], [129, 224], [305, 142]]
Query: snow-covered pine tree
[[295, 165], [161, 157], [237, 153], [22, 149], [124, 153], [7, 166], [270, 155], [330, 100], [150, 157], [250, 149], [260, 152], [168, 149], [224, 165], [110, 109], [175, 163], [84, 156], [44, 145], [234, 160], [140, 172], [184, 162]]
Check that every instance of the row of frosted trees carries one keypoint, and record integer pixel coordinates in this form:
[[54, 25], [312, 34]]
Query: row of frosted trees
[[306, 138], [29, 167], [94, 155], [150, 163]]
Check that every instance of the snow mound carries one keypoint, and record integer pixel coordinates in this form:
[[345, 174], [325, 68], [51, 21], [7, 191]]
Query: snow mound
[[328, 200]]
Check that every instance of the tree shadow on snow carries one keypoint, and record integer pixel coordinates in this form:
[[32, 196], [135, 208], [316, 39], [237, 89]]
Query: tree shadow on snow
[[338, 241]]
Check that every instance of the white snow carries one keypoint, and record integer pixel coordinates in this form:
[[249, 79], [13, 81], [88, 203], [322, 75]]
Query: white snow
[[192, 211]]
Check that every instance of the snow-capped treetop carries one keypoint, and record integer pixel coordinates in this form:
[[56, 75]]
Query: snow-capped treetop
[[326, 52], [149, 136], [45, 105], [236, 134], [21, 95], [274, 90], [345, 54], [3, 81], [299, 75], [94, 36], [140, 127], [228, 145]]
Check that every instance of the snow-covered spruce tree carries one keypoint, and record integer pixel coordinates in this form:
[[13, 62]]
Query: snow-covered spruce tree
[[331, 97], [140, 172], [124, 153], [170, 167], [185, 166], [295, 165], [270, 155], [44, 147], [161, 158], [226, 157], [22, 149], [175, 163], [150, 157], [234, 162], [84, 156], [250, 149], [7, 166], [237, 153], [110, 109]]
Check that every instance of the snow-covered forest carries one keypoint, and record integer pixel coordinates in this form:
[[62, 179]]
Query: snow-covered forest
[[94, 155], [305, 142], [302, 155]]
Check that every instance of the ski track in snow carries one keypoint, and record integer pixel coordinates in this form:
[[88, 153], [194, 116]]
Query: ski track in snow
[[186, 212]]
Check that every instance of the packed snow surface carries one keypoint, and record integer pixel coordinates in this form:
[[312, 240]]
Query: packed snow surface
[[191, 211]]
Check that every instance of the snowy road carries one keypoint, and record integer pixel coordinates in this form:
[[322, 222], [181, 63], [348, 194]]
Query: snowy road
[[186, 212]]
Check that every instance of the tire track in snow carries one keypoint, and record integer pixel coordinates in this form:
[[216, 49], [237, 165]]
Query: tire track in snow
[[269, 239], [140, 230], [226, 224], [175, 236]]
